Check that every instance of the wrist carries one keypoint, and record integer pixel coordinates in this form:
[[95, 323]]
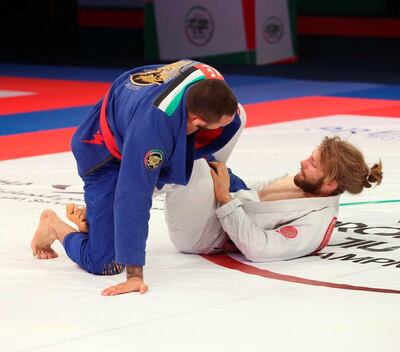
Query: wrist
[[224, 199]]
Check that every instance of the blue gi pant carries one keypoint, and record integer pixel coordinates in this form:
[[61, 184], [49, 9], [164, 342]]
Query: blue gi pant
[[95, 251]]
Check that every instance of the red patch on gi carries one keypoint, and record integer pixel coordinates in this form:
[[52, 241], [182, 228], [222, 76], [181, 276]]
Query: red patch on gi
[[288, 231]]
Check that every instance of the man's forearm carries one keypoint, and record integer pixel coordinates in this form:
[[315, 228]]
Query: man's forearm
[[134, 271]]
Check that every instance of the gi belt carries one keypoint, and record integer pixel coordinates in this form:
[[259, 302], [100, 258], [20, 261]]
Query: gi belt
[[108, 136]]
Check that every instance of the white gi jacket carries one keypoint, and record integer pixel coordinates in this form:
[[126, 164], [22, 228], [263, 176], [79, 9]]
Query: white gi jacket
[[278, 230]]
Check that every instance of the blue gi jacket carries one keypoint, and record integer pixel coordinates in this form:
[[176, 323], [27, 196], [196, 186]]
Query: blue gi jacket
[[146, 114]]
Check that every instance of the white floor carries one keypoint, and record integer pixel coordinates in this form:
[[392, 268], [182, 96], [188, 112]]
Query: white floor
[[194, 304]]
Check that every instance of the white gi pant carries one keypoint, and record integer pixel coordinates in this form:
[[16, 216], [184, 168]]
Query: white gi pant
[[190, 210], [190, 213]]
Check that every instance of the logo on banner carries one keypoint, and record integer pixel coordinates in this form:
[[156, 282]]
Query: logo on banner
[[199, 26], [273, 30]]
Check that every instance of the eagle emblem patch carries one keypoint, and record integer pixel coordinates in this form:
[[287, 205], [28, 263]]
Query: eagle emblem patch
[[153, 159], [161, 74]]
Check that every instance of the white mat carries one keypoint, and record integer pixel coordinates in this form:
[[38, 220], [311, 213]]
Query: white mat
[[196, 305]]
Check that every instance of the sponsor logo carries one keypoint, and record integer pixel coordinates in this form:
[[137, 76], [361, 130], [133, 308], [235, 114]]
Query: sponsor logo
[[57, 194], [29, 192], [354, 244], [199, 26], [359, 243], [288, 232], [272, 29], [153, 159], [97, 139], [371, 133]]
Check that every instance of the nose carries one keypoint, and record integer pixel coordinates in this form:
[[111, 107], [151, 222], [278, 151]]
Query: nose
[[303, 163]]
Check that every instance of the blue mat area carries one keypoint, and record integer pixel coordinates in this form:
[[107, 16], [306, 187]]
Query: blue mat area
[[386, 92], [60, 72], [248, 88], [262, 89], [43, 120]]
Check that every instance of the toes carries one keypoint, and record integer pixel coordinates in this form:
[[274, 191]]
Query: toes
[[143, 289], [107, 291], [45, 253], [53, 254], [70, 208], [34, 251], [39, 254], [83, 211]]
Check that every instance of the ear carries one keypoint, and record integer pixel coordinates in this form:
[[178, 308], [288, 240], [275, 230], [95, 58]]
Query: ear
[[329, 186], [197, 121]]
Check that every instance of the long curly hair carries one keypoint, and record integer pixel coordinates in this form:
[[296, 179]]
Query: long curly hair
[[343, 162]]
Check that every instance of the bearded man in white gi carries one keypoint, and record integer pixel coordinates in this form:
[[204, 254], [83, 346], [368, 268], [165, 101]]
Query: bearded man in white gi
[[285, 219]]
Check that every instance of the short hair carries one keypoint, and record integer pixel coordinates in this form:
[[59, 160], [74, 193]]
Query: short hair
[[211, 99], [343, 162]]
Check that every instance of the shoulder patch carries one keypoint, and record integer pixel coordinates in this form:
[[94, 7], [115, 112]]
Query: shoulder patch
[[161, 74], [171, 97], [153, 159]]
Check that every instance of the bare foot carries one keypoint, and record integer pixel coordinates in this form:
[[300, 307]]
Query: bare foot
[[78, 217], [44, 236]]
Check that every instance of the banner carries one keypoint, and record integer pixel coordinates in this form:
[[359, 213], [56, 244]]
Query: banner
[[273, 31], [193, 28], [224, 31]]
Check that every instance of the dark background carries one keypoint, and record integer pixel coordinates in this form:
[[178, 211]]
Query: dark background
[[65, 32]]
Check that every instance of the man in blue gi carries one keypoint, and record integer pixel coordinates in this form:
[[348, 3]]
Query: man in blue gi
[[145, 133]]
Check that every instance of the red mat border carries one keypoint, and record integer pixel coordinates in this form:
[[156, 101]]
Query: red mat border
[[57, 141], [48, 94], [228, 262]]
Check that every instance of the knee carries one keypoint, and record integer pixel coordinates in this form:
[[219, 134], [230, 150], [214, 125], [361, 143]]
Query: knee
[[77, 248]]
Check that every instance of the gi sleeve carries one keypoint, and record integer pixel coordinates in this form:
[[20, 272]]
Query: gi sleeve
[[143, 155], [263, 245]]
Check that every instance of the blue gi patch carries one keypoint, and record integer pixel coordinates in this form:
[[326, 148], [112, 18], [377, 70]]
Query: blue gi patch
[[153, 159]]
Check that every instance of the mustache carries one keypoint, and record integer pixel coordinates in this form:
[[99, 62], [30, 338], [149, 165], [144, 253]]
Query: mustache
[[301, 172]]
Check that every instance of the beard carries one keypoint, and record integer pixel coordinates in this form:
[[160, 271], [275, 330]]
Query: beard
[[307, 186]]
